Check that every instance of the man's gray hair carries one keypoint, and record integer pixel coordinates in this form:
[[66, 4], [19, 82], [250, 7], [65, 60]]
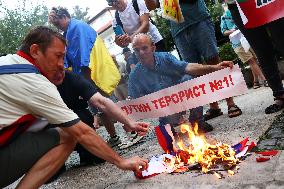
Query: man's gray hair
[[143, 35]]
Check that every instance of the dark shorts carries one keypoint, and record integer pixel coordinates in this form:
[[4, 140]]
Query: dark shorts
[[197, 43], [19, 156]]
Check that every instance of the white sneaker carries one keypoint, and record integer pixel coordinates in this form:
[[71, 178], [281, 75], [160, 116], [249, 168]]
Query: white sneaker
[[133, 138], [114, 141]]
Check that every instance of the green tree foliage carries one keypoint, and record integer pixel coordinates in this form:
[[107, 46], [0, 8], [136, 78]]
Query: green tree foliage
[[163, 26], [226, 52], [15, 23], [216, 11], [80, 13]]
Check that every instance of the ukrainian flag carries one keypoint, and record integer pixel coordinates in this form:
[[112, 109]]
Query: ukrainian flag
[[86, 48]]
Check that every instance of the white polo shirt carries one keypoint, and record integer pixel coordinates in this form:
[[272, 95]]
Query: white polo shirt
[[31, 93], [131, 22]]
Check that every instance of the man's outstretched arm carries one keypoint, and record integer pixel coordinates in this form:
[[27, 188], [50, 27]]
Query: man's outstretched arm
[[110, 108], [199, 69], [87, 137]]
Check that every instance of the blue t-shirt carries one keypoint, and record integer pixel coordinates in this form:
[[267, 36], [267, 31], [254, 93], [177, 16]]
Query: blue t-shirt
[[168, 71], [227, 23], [81, 38], [192, 13]]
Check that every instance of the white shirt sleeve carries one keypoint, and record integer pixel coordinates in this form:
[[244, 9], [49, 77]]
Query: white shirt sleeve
[[46, 102], [142, 7]]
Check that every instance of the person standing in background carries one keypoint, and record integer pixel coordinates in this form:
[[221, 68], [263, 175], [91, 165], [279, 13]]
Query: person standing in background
[[196, 42]]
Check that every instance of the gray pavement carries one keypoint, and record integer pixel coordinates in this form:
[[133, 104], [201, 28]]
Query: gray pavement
[[251, 175]]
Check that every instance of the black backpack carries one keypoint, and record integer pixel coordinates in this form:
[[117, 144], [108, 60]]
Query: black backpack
[[136, 8]]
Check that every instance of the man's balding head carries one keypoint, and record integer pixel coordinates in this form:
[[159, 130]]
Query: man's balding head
[[144, 49], [145, 38]]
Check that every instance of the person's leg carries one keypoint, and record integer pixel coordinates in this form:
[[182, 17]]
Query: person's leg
[[22, 153], [86, 157], [49, 163], [207, 48], [256, 71], [249, 58], [108, 123], [264, 51], [37, 155], [266, 55], [276, 30], [113, 139], [186, 43], [196, 116]]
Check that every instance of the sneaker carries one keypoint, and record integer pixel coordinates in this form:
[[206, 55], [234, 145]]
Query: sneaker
[[265, 83], [205, 127], [133, 138], [114, 141]]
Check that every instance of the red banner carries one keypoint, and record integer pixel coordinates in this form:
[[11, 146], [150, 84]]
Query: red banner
[[260, 12]]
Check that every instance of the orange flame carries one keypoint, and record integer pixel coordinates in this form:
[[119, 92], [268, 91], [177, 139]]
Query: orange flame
[[205, 154]]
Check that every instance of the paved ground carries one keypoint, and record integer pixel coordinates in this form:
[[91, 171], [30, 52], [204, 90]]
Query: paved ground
[[253, 124]]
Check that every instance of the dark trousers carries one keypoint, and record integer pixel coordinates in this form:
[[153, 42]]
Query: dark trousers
[[264, 40], [160, 46], [87, 118]]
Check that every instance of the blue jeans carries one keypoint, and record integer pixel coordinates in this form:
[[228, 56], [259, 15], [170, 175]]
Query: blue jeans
[[196, 114], [197, 43]]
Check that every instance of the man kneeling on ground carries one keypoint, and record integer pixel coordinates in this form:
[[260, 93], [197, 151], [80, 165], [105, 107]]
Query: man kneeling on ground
[[29, 102], [160, 70]]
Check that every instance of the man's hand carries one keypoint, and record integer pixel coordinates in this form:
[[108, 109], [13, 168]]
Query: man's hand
[[134, 164], [225, 64], [96, 123], [122, 40], [140, 127]]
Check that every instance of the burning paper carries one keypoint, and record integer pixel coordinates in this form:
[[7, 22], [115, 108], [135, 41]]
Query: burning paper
[[195, 153], [207, 155]]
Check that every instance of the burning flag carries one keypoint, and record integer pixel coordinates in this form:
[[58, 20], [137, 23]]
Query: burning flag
[[195, 153]]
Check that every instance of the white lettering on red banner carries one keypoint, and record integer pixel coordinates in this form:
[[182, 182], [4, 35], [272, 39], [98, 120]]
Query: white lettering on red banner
[[261, 3], [187, 95]]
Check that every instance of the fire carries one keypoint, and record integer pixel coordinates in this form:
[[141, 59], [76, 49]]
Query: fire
[[201, 152]]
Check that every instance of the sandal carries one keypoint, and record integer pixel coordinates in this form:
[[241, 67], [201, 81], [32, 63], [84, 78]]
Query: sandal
[[212, 113], [265, 83], [275, 107], [256, 85], [234, 111]]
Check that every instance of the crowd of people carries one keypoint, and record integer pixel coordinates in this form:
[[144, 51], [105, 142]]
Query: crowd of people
[[53, 91]]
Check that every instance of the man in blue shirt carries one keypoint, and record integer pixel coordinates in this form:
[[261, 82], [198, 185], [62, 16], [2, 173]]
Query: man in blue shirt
[[196, 42], [159, 70], [80, 54], [86, 53]]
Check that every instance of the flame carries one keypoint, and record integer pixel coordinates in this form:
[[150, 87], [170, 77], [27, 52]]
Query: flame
[[200, 151]]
